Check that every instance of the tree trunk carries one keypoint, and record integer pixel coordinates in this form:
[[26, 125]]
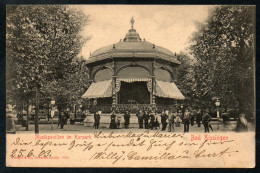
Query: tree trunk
[[36, 111], [27, 116]]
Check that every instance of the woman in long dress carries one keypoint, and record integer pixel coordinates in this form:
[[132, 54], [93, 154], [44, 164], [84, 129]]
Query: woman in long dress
[[113, 121], [178, 119]]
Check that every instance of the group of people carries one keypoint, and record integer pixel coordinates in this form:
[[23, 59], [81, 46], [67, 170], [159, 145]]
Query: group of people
[[172, 118], [152, 120], [156, 120], [115, 120], [66, 118]]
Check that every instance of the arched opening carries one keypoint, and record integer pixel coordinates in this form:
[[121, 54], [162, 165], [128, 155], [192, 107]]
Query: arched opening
[[133, 72], [133, 89], [163, 75], [133, 93], [103, 74]]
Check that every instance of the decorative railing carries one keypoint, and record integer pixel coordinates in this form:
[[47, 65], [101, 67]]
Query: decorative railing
[[132, 108], [103, 108], [160, 108]]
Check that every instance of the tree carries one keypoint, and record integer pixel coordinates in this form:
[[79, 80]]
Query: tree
[[224, 49], [41, 43], [185, 74], [68, 91]]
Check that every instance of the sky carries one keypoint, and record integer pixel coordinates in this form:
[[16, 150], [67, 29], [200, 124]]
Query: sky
[[168, 26]]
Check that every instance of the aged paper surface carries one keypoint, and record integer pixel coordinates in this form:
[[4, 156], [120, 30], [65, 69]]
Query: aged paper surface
[[130, 86], [130, 149]]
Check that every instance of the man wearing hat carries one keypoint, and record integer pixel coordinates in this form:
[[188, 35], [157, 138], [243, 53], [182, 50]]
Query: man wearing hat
[[186, 120], [127, 119]]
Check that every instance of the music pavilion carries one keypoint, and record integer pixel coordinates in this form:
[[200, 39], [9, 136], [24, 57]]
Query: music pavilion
[[132, 74]]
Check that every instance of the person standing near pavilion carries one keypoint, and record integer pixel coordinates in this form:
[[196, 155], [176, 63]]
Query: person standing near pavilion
[[146, 119], [127, 119], [97, 120], [205, 120], [113, 121], [157, 123], [164, 117], [186, 120], [10, 125], [192, 117], [118, 120], [152, 121], [68, 118], [63, 117], [172, 116], [178, 119], [198, 117], [140, 119], [242, 124]]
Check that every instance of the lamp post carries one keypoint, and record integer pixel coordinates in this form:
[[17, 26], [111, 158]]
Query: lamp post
[[182, 112], [52, 112], [80, 110], [217, 103]]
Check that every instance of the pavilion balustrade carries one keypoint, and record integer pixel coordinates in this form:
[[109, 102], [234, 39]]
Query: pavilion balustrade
[[103, 108], [132, 108], [160, 108]]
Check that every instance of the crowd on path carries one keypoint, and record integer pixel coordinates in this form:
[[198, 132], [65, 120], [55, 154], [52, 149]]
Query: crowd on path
[[167, 118], [164, 120]]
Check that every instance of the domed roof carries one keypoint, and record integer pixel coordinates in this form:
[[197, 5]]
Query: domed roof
[[132, 43], [131, 46]]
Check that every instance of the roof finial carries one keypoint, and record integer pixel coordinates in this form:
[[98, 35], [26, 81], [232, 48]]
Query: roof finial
[[132, 22]]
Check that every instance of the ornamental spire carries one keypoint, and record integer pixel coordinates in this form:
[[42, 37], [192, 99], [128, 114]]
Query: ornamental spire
[[132, 21]]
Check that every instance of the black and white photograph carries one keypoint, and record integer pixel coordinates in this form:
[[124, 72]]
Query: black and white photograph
[[130, 86]]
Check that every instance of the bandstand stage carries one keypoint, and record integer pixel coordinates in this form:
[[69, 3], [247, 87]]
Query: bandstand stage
[[132, 74]]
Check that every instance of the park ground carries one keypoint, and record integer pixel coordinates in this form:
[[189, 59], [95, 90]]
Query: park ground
[[80, 128]]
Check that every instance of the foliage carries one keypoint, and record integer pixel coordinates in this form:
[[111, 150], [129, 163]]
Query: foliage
[[42, 43], [68, 91], [185, 74], [224, 49]]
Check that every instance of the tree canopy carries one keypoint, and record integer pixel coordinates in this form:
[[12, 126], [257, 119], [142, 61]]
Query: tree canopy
[[42, 43], [224, 49]]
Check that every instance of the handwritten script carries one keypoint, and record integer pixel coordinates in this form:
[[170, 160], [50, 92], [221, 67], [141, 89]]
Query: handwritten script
[[115, 149]]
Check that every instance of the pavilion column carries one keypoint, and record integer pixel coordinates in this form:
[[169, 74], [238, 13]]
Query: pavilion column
[[114, 94], [153, 92]]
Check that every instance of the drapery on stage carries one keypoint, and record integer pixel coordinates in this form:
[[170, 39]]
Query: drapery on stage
[[132, 89]]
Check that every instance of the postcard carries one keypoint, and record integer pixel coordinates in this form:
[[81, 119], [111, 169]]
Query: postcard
[[130, 86]]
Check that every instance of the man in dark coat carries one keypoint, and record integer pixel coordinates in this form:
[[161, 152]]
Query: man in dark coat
[[172, 116], [146, 119], [140, 119], [97, 120], [164, 118], [186, 120], [127, 119], [198, 117], [63, 117], [152, 120], [205, 120], [192, 117]]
